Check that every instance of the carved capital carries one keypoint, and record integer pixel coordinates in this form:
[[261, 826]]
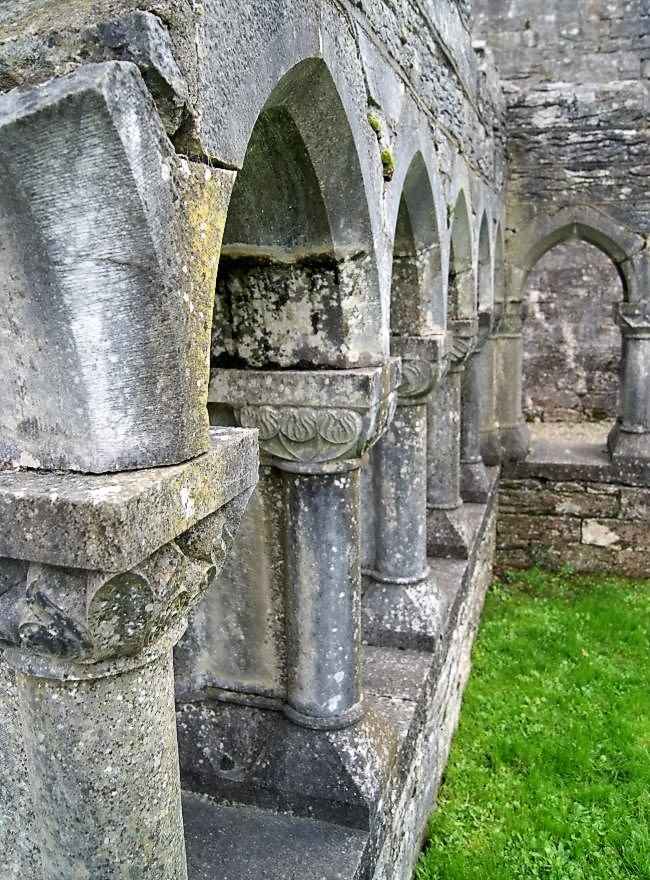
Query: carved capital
[[463, 343], [633, 319], [425, 359], [312, 420], [308, 435], [90, 617]]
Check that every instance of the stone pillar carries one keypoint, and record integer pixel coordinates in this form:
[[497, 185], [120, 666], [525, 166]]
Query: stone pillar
[[514, 436], [474, 477], [323, 621], [489, 429], [629, 439], [315, 428], [446, 527], [88, 627], [400, 468]]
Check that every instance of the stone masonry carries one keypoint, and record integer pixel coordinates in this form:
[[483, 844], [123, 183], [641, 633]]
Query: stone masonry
[[263, 273]]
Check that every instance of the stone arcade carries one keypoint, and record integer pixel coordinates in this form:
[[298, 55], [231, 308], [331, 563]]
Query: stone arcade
[[263, 268]]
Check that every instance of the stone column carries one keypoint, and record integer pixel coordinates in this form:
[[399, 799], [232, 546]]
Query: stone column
[[490, 443], [514, 436], [474, 477], [446, 527], [315, 428], [400, 467], [629, 439], [99, 574]]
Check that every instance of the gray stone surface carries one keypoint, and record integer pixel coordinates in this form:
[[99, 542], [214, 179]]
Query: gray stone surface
[[111, 522], [245, 843], [108, 267]]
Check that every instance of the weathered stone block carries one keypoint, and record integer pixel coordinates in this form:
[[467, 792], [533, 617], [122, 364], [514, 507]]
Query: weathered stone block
[[551, 500], [107, 287], [635, 504]]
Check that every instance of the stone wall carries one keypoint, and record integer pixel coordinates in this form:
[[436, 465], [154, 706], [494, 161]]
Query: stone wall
[[591, 527], [572, 346]]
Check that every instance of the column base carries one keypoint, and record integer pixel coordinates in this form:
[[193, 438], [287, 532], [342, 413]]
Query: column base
[[244, 755], [336, 722], [401, 615], [491, 447], [628, 447], [474, 482], [447, 533], [515, 442]]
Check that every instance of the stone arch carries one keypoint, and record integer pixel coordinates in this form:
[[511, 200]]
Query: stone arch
[[298, 283], [462, 287], [485, 274], [417, 294], [580, 223]]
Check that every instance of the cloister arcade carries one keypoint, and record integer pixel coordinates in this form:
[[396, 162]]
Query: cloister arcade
[[260, 364]]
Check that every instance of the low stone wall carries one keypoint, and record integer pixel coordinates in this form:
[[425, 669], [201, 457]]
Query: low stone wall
[[562, 507]]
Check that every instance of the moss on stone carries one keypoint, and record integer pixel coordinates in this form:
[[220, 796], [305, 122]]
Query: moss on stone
[[388, 162]]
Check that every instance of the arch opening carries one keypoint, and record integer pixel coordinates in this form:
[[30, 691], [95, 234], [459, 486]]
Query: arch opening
[[417, 304], [572, 345], [462, 292], [297, 286]]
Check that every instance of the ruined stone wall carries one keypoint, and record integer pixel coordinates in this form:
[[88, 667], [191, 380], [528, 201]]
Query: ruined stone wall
[[576, 82], [572, 346], [588, 525]]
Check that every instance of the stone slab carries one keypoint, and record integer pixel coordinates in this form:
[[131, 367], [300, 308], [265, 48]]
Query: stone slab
[[111, 522], [582, 458], [245, 843], [349, 388]]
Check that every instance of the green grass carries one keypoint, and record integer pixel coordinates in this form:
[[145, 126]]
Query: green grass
[[549, 776]]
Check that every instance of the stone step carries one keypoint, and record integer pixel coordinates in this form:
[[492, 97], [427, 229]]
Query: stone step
[[246, 843]]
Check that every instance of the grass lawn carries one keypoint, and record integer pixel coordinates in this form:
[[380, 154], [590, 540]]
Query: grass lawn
[[549, 774]]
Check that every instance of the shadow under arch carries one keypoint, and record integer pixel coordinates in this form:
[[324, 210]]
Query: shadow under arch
[[462, 289], [297, 284], [417, 294]]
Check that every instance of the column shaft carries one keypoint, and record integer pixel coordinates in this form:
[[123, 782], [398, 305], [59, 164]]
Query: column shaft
[[103, 762], [474, 478], [513, 431], [323, 598], [443, 444], [400, 475]]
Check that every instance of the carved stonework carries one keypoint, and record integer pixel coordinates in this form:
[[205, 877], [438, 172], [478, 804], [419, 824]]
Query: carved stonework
[[464, 342], [307, 434], [418, 379], [633, 319], [92, 616]]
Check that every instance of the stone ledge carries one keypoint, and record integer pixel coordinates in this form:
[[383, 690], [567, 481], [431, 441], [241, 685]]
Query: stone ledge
[[113, 521], [313, 388]]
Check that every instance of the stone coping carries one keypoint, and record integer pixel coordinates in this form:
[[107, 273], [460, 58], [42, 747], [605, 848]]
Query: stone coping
[[574, 452], [313, 388], [111, 522]]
